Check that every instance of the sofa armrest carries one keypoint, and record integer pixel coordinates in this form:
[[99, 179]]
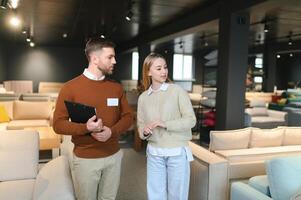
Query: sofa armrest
[[209, 175], [54, 181], [243, 191], [277, 114]]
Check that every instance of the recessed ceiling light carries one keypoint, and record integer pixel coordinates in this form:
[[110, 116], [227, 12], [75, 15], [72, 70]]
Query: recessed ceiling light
[[3, 4], [103, 36], [15, 21], [278, 56], [31, 44], [129, 16], [65, 35], [291, 55]]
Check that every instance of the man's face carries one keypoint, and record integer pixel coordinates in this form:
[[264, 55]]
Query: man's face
[[105, 60]]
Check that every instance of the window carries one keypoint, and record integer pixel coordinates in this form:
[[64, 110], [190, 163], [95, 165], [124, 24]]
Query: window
[[182, 67], [135, 65], [258, 79], [258, 62]]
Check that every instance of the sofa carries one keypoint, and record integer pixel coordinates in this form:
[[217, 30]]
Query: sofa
[[20, 177], [293, 116], [282, 182], [262, 117], [23, 114], [238, 154]]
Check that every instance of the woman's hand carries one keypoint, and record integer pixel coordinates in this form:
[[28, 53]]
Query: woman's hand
[[158, 123]]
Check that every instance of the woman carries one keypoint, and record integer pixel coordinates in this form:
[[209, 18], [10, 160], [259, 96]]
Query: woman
[[165, 118]]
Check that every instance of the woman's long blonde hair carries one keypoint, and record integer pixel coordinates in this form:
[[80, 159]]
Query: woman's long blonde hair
[[148, 61]]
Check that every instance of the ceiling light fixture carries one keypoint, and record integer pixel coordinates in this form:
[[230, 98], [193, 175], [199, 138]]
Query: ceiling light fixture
[[15, 21], [65, 35], [103, 36], [3, 4], [290, 40], [291, 55], [266, 27], [130, 13], [278, 56], [129, 16], [14, 3], [31, 44]]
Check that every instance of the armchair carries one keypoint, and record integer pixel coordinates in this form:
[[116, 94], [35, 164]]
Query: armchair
[[282, 182], [20, 177]]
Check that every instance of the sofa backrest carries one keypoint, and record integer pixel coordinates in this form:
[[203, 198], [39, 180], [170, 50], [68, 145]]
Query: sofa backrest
[[19, 154], [31, 110], [254, 137], [284, 175], [49, 87], [230, 139]]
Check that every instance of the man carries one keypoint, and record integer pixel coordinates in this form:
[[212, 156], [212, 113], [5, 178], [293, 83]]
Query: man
[[96, 154]]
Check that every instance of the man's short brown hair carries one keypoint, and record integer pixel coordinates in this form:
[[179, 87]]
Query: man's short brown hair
[[96, 44]]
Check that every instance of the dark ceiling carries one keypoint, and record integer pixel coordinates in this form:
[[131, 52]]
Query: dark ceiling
[[190, 24]]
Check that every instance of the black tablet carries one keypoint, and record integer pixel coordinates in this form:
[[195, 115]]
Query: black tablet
[[78, 112]]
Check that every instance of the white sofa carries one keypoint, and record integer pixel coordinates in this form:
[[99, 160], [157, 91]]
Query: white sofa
[[238, 154], [261, 117], [19, 175]]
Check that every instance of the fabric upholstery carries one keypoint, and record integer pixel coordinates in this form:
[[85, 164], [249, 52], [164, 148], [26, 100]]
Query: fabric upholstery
[[284, 175], [261, 184], [17, 190], [242, 191], [8, 105], [258, 154], [24, 146], [292, 136], [3, 114], [52, 183], [230, 139], [20, 124], [32, 110], [259, 111], [266, 138]]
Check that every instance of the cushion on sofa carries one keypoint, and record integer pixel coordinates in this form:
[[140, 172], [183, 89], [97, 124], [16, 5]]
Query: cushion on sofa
[[3, 114], [17, 190], [284, 175], [32, 110], [261, 184], [258, 154], [24, 146], [230, 139], [8, 105], [54, 181], [259, 111], [292, 136], [257, 103], [266, 137], [21, 124]]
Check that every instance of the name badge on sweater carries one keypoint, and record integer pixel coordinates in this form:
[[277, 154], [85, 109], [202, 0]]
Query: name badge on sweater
[[112, 102]]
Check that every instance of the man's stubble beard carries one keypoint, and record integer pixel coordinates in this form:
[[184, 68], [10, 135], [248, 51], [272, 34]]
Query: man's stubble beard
[[105, 72]]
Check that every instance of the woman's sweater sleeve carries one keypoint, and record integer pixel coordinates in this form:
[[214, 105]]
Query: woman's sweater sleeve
[[140, 118], [187, 119]]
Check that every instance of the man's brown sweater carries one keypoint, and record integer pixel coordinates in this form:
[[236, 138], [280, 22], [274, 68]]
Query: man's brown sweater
[[93, 93]]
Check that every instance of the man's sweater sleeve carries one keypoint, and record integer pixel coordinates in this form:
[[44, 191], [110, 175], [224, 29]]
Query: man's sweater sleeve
[[61, 123], [187, 119], [126, 117]]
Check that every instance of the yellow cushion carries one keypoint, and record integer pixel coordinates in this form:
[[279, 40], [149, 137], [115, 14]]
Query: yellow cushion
[[282, 101], [3, 114]]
